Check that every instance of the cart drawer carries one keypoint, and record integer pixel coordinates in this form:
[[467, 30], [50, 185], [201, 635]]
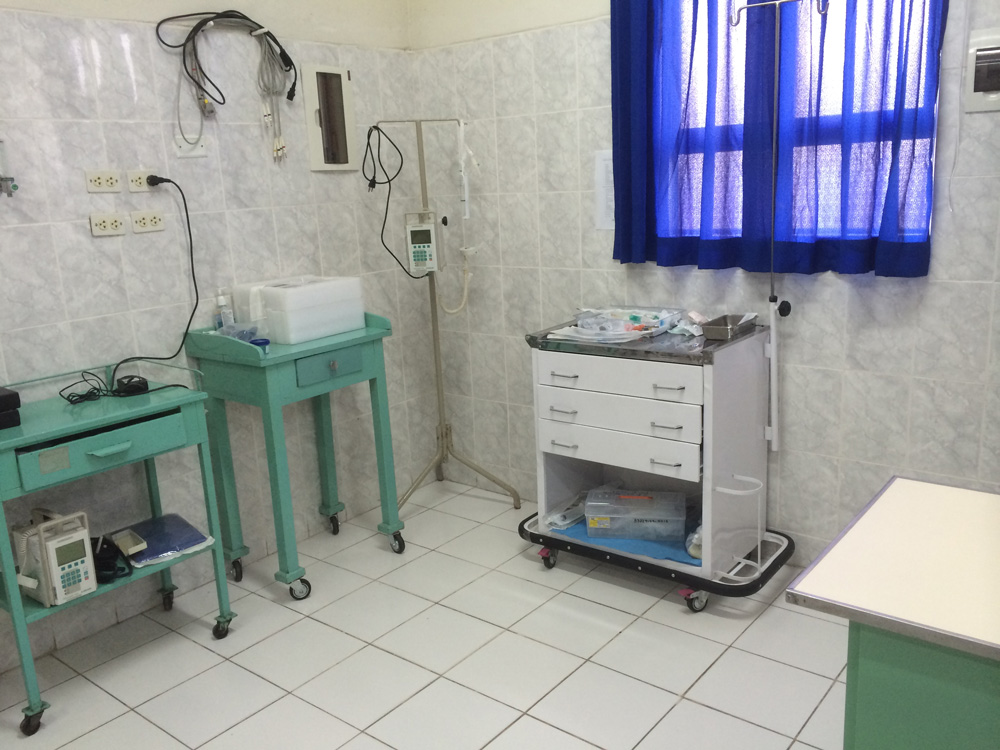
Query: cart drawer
[[666, 381], [666, 458], [83, 456], [326, 366], [641, 416]]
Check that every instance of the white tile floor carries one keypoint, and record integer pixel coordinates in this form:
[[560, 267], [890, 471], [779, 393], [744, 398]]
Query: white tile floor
[[463, 641]]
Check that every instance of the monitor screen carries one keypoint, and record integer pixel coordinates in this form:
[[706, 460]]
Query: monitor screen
[[420, 237], [71, 552]]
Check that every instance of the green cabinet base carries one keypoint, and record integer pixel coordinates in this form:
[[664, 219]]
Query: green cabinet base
[[908, 694]]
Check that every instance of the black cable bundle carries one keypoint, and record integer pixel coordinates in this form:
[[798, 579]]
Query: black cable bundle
[[189, 48], [376, 161], [126, 387]]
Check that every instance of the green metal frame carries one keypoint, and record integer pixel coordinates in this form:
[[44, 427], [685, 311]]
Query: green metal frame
[[909, 694], [52, 419], [238, 371]]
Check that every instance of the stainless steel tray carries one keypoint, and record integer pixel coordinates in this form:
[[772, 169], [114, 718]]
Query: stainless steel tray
[[728, 326]]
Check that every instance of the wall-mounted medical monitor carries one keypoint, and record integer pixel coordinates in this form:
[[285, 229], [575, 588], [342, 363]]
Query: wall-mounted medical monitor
[[330, 118]]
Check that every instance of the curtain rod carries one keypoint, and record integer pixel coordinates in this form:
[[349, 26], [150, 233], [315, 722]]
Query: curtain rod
[[734, 18]]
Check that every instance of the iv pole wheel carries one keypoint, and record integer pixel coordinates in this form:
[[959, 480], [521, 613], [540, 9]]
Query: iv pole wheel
[[396, 544], [31, 724], [237, 568], [220, 630], [334, 525]]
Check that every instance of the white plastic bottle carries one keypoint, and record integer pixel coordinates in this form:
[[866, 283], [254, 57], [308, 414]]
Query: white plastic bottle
[[223, 313]]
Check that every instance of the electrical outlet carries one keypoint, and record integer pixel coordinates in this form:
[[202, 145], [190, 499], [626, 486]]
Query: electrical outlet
[[147, 221], [137, 181], [185, 150], [103, 181], [105, 225]]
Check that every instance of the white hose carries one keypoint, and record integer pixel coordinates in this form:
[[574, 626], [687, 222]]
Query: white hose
[[465, 286], [773, 372]]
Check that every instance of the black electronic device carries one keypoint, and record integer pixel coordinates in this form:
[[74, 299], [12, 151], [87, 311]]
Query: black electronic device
[[9, 419], [130, 385], [110, 563], [9, 400]]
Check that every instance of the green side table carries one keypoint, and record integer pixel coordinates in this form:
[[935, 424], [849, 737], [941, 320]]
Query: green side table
[[238, 371], [58, 443]]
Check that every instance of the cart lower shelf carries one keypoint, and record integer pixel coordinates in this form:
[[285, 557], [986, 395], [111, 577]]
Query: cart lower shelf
[[748, 576]]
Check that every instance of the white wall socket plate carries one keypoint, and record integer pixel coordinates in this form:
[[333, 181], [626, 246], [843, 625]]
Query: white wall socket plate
[[185, 150], [103, 181], [147, 221], [137, 181], [107, 225]]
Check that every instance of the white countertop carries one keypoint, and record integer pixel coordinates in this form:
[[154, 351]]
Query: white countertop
[[922, 560]]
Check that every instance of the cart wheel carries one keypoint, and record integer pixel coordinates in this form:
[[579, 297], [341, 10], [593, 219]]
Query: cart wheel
[[31, 724], [396, 544], [697, 601], [237, 571], [221, 630], [300, 589], [549, 560], [168, 601], [334, 525]]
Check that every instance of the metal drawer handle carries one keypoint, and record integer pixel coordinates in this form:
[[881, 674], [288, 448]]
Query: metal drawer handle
[[333, 365], [563, 411], [668, 387], [666, 426], [654, 462], [563, 445], [111, 450], [568, 377]]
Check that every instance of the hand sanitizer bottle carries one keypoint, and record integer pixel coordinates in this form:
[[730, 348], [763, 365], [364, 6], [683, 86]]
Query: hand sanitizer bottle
[[223, 313]]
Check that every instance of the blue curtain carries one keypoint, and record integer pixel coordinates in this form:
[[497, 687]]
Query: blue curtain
[[692, 104]]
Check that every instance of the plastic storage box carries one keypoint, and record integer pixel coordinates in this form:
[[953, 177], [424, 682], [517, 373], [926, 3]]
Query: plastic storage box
[[629, 514], [301, 308]]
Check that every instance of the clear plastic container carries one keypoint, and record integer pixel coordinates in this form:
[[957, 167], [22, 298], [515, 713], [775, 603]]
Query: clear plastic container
[[632, 514]]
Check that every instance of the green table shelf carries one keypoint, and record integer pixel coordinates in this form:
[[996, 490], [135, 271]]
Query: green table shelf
[[57, 443], [241, 372]]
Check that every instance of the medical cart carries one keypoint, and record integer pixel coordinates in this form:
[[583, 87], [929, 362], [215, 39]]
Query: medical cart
[[239, 371], [669, 413], [57, 443]]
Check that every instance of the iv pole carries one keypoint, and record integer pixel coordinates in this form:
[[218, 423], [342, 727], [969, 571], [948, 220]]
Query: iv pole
[[775, 308], [445, 444]]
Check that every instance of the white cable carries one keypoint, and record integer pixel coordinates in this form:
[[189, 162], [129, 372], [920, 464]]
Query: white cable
[[465, 284], [201, 115]]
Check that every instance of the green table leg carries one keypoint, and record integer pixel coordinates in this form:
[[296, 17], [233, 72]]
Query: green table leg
[[281, 494], [167, 587], [907, 694], [330, 505], [12, 592], [383, 450], [225, 480], [218, 555]]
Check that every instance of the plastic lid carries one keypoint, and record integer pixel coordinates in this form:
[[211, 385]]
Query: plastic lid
[[220, 300]]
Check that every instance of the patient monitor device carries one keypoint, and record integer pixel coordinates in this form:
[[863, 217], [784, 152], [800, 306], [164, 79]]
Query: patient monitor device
[[54, 557]]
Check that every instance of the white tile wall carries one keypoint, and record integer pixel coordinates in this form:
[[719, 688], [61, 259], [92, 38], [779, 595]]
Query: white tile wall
[[879, 376]]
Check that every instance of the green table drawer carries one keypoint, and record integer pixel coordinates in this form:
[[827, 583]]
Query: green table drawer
[[326, 366], [80, 457]]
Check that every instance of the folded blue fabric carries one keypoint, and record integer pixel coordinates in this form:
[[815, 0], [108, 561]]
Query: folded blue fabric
[[675, 551]]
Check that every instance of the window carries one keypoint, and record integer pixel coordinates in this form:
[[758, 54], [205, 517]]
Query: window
[[693, 103]]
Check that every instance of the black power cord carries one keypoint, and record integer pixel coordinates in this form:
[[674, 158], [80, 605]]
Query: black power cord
[[192, 61], [125, 387], [376, 163]]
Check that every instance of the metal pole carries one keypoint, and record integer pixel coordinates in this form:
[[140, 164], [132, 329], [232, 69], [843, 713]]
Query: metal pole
[[444, 441]]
